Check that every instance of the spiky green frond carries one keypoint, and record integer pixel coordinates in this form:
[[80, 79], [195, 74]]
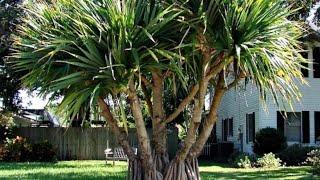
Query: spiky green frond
[[263, 42], [86, 48]]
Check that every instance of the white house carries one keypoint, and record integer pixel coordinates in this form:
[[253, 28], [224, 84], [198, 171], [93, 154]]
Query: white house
[[242, 113]]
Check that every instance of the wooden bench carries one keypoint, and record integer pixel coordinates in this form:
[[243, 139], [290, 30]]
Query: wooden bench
[[117, 154]]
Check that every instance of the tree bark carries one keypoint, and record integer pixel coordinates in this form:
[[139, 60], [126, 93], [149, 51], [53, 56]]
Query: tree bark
[[159, 135], [136, 171], [183, 170], [143, 138]]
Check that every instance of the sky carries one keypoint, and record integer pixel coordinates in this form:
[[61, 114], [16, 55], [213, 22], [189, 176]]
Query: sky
[[32, 100]]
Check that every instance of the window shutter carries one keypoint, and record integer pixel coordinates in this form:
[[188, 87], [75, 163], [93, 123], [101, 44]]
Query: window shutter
[[231, 126], [253, 126], [225, 129], [316, 125], [316, 64], [305, 127], [304, 69], [280, 122], [222, 130], [247, 128]]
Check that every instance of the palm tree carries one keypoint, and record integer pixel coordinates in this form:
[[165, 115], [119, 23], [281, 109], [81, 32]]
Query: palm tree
[[91, 51]]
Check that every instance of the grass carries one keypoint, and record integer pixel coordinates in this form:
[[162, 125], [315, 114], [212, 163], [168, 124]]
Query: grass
[[63, 170], [99, 170], [220, 171]]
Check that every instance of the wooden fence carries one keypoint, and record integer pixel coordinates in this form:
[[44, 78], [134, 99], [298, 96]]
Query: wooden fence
[[85, 143]]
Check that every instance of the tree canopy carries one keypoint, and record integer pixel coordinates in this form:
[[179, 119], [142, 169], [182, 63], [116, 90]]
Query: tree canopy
[[92, 51]]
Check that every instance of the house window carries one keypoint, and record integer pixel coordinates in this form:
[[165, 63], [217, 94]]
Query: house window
[[295, 126], [304, 69], [317, 126], [227, 128], [292, 129], [316, 62], [250, 127]]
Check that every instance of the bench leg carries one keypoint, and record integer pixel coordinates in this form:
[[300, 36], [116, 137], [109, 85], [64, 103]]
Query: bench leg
[[113, 163]]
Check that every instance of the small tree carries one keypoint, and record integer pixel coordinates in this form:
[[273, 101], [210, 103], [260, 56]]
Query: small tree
[[10, 83], [97, 51]]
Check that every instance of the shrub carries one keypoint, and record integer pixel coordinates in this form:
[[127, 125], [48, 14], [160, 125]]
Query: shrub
[[43, 152], [314, 160], [17, 150], [3, 152], [269, 161], [269, 140], [242, 160], [295, 155]]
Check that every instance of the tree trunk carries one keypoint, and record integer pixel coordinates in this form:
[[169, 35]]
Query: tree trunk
[[159, 129], [145, 156]]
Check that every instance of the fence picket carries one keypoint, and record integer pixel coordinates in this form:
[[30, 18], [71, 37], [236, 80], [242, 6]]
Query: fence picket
[[85, 143]]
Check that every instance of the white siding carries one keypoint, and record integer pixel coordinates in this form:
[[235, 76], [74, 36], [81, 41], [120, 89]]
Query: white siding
[[238, 103], [310, 101]]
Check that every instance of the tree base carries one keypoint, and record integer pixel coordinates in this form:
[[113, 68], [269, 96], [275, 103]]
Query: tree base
[[161, 161], [136, 172], [187, 170]]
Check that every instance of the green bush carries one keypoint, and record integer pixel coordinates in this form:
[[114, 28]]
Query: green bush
[[269, 140], [314, 160], [295, 155], [19, 150], [269, 161], [16, 150]]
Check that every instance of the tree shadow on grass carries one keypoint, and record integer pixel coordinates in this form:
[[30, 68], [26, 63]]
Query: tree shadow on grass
[[206, 163]]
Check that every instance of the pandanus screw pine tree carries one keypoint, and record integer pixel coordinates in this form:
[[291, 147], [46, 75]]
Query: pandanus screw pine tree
[[90, 50]]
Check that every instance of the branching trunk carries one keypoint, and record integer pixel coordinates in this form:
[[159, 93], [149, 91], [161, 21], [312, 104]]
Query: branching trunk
[[195, 122], [209, 122], [152, 162], [197, 112]]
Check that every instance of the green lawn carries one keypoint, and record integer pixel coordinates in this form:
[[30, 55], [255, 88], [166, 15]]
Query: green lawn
[[98, 170]]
